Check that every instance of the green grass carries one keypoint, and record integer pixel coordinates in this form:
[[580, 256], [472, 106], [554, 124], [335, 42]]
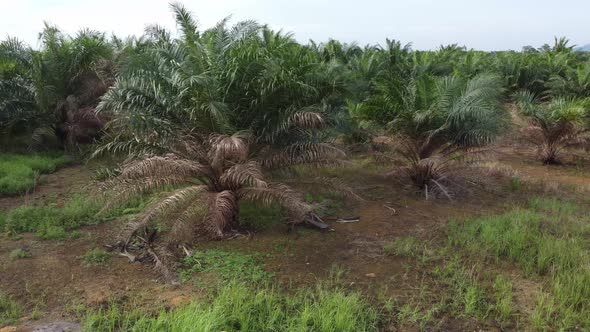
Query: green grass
[[503, 299], [467, 295], [18, 254], [19, 173], [96, 257], [224, 266], [547, 239], [10, 311], [237, 307], [51, 222], [404, 247], [515, 184]]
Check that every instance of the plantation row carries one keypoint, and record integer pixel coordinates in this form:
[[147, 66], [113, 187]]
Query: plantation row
[[209, 112]]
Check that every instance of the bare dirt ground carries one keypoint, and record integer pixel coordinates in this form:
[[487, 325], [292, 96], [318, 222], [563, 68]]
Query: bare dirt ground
[[54, 280]]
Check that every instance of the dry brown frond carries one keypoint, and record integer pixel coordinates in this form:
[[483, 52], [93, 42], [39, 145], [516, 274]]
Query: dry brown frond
[[232, 147], [187, 224], [180, 199], [241, 175], [163, 262], [224, 149], [121, 190], [161, 167], [306, 120], [222, 209]]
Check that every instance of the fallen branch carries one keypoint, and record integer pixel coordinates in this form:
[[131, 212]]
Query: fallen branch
[[316, 221], [394, 211], [348, 220]]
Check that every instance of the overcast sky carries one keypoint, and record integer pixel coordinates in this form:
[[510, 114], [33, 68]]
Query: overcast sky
[[479, 24]]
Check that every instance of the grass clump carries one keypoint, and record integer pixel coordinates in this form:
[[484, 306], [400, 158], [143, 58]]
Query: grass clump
[[96, 257], [19, 173], [52, 222], [225, 266], [547, 239], [18, 254], [404, 247], [10, 311], [468, 298], [503, 299], [237, 307]]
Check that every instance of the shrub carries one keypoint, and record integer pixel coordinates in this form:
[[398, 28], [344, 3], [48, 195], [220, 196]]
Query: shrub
[[10, 311], [19, 254], [96, 257]]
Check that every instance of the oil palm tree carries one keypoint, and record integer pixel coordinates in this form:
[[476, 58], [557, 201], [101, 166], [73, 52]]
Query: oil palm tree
[[198, 115], [211, 176], [57, 86], [555, 125], [574, 83], [438, 121], [18, 111]]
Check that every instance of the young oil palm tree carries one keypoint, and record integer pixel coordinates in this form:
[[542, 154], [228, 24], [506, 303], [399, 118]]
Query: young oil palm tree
[[555, 125], [210, 178], [436, 122]]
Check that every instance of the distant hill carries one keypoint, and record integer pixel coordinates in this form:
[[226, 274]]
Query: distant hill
[[585, 48]]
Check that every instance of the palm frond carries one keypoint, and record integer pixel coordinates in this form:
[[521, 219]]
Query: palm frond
[[307, 153], [243, 175], [169, 165], [222, 207]]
